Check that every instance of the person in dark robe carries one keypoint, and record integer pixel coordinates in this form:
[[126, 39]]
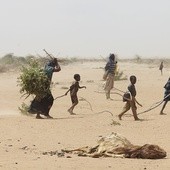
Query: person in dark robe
[[166, 96], [42, 106]]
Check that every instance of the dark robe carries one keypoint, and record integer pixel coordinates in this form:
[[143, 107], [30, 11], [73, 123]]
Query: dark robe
[[42, 106]]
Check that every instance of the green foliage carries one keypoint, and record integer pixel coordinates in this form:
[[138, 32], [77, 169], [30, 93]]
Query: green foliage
[[24, 109], [21, 60], [33, 80], [10, 62], [119, 76], [8, 59]]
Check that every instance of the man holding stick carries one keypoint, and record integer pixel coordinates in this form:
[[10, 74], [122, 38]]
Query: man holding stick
[[43, 106], [110, 69]]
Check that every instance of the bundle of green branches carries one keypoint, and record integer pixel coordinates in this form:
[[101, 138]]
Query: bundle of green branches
[[119, 76], [33, 80]]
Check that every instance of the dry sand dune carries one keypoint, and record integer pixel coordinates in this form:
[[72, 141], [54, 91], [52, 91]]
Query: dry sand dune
[[23, 139]]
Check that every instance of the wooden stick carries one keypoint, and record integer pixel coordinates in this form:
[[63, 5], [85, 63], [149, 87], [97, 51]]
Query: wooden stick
[[60, 96], [48, 54], [88, 103]]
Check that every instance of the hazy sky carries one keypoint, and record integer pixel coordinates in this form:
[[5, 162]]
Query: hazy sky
[[85, 28]]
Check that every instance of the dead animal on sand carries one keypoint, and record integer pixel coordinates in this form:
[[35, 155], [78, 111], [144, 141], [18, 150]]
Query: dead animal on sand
[[115, 145]]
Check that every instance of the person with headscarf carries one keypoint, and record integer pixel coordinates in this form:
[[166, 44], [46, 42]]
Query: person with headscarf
[[43, 106], [110, 68]]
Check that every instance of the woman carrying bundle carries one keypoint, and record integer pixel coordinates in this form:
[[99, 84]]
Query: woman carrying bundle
[[43, 105]]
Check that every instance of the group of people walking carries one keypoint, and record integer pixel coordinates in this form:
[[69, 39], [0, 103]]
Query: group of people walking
[[43, 106], [130, 96], [110, 71]]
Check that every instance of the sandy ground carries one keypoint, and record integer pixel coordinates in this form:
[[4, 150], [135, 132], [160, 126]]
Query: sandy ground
[[23, 138]]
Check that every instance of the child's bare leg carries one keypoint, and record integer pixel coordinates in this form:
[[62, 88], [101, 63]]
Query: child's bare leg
[[70, 110], [107, 94], [135, 113], [125, 109], [121, 114], [134, 110], [163, 107], [74, 103]]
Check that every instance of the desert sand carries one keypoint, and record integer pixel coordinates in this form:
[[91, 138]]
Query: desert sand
[[23, 138]]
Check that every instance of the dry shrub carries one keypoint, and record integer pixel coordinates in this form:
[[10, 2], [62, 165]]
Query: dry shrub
[[120, 76], [3, 69], [33, 80]]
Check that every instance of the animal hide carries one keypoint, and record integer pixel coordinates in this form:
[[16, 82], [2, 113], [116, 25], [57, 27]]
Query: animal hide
[[115, 145]]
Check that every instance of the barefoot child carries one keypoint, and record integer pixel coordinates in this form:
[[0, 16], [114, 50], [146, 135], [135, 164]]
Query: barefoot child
[[73, 93], [131, 101]]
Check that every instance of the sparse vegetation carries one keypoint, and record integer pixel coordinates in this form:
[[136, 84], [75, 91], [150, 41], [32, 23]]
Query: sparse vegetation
[[24, 109], [33, 80], [120, 76], [3, 69], [153, 61], [10, 62], [138, 59]]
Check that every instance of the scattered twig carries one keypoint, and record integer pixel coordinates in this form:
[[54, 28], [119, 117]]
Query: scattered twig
[[118, 89], [59, 96], [92, 109], [151, 108], [104, 111], [158, 104], [48, 54], [24, 95], [88, 103]]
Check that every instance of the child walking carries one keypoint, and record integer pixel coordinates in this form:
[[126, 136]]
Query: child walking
[[166, 96], [73, 93], [131, 100]]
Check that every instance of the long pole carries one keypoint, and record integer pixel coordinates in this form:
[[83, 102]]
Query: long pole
[[48, 54]]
